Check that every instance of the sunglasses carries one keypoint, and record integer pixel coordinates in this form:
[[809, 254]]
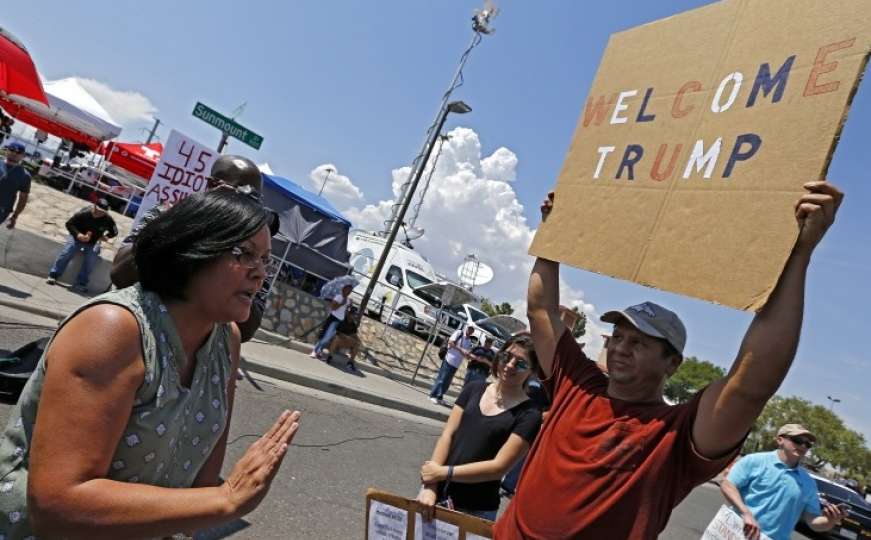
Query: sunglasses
[[519, 363], [801, 441]]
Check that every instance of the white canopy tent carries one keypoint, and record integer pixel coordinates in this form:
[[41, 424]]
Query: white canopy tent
[[76, 107]]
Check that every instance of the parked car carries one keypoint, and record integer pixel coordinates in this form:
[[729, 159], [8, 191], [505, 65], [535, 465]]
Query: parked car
[[857, 524], [499, 327]]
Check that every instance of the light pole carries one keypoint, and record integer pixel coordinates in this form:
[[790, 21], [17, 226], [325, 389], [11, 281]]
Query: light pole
[[832, 402], [480, 26], [457, 107], [329, 170]]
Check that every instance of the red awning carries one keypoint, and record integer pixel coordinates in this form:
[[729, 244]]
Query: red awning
[[57, 129], [140, 159], [17, 73]]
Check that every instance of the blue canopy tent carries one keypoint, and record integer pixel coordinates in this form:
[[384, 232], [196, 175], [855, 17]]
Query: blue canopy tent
[[313, 234]]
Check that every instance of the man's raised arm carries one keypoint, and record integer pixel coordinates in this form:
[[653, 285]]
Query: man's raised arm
[[729, 406], [542, 304]]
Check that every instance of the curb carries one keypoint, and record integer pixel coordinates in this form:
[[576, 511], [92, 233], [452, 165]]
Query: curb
[[305, 348], [341, 390], [35, 310]]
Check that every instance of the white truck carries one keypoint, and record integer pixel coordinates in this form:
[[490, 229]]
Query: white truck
[[394, 296]]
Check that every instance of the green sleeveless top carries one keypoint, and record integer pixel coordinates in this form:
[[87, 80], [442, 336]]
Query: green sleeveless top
[[171, 430]]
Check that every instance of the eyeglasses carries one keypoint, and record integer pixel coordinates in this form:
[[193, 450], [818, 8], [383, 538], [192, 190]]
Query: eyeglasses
[[216, 183], [801, 441], [248, 259], [519, 362]]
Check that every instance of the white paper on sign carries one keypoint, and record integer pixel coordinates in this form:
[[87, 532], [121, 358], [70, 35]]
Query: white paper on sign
[[386, 522], [726, 525], [434, 530], [183, 169]]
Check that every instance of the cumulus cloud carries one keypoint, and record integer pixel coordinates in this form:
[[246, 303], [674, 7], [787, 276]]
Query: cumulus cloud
[[339, 189], [125, 107], [265, 168], [471, 207]]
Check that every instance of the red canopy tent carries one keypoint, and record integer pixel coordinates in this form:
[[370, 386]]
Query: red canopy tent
[[49, 126], [140, 159], [17, 73]]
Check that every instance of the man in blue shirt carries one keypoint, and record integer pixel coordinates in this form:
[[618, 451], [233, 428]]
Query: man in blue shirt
[[14, 184], [772, 491]]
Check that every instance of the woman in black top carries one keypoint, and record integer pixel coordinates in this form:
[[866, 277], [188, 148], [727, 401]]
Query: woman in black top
[[490, 428]]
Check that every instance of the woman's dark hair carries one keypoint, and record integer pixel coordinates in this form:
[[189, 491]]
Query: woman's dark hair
[[524, 341], [184, 239]]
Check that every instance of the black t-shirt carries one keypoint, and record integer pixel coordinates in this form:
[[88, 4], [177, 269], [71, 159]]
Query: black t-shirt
[[84, 221], [479, 438], [486, 352]]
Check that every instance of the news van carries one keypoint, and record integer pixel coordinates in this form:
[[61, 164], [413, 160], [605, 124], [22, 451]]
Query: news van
[[394, 297]]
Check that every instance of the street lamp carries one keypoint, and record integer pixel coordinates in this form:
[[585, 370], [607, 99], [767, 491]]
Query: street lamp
[[832, 402], [329, 170], [456, 107]]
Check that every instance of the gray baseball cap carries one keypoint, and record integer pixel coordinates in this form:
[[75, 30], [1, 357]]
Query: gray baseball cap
[[654, 320]]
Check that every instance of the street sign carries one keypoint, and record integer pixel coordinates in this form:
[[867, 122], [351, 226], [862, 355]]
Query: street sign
[[228, 126]]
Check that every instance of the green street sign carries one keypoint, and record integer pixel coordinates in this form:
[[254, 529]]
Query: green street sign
[[228, 126]]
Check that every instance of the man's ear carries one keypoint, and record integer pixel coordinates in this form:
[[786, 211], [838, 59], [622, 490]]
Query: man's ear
[[674, 362]]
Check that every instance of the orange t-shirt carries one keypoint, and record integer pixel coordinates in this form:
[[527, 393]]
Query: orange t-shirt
[[603, 468]]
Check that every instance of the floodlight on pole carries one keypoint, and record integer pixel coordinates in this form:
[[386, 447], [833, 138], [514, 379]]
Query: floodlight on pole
[[832, 402], [480, 26]]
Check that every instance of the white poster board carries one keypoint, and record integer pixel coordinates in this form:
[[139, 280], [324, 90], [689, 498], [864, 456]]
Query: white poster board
[[386, 522], [727, 525], [434, 529], [183, 169]]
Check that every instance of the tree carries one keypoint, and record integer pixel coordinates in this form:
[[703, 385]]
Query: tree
[[492, 309], [692, 375], [580, 326]]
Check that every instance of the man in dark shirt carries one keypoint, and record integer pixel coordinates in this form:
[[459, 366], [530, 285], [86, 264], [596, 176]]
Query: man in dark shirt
[[14, 183], [480, 362], [88, 227]]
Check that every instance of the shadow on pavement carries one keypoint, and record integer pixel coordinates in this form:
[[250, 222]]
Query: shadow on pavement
[[14, 292], [223, 531]]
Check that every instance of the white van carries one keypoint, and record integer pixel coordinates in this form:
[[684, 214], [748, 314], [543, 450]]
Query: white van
[[394, 297]]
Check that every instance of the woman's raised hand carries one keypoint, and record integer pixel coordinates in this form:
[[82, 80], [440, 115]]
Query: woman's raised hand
[[252, 475]]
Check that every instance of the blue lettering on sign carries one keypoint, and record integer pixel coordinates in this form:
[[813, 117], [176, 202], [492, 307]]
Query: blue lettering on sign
[[754, 140], [645, 117], [633, 154], [766, 83]]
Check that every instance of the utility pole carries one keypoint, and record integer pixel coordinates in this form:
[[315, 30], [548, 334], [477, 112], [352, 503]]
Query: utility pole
[[222, 143], [153, 131]]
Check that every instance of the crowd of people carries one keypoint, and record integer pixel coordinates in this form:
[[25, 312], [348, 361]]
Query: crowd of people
[[132, 429]]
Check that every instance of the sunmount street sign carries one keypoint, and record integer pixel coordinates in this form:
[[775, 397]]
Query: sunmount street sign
[[227, 125]]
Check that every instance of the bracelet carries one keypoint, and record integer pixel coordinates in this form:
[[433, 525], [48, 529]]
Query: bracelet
[[450, 472]]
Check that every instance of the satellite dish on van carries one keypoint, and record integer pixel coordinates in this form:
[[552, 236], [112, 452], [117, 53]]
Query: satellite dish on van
[[473, 273]]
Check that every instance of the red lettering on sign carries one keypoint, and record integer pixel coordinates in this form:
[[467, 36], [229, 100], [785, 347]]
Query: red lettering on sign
[[676, 110], [821, 68]]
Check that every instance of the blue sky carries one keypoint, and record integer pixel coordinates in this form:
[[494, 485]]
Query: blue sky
[[355, 84]]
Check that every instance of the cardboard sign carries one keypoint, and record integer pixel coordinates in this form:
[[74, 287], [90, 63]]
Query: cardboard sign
[[727, 525], [183, 169], [390, 517], [695, 141]]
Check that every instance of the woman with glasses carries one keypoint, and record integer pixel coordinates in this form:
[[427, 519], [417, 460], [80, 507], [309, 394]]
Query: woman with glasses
[[135, 391], [490, 428]]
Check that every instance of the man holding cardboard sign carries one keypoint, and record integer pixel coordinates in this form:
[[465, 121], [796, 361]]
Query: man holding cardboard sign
[[613, 456]]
